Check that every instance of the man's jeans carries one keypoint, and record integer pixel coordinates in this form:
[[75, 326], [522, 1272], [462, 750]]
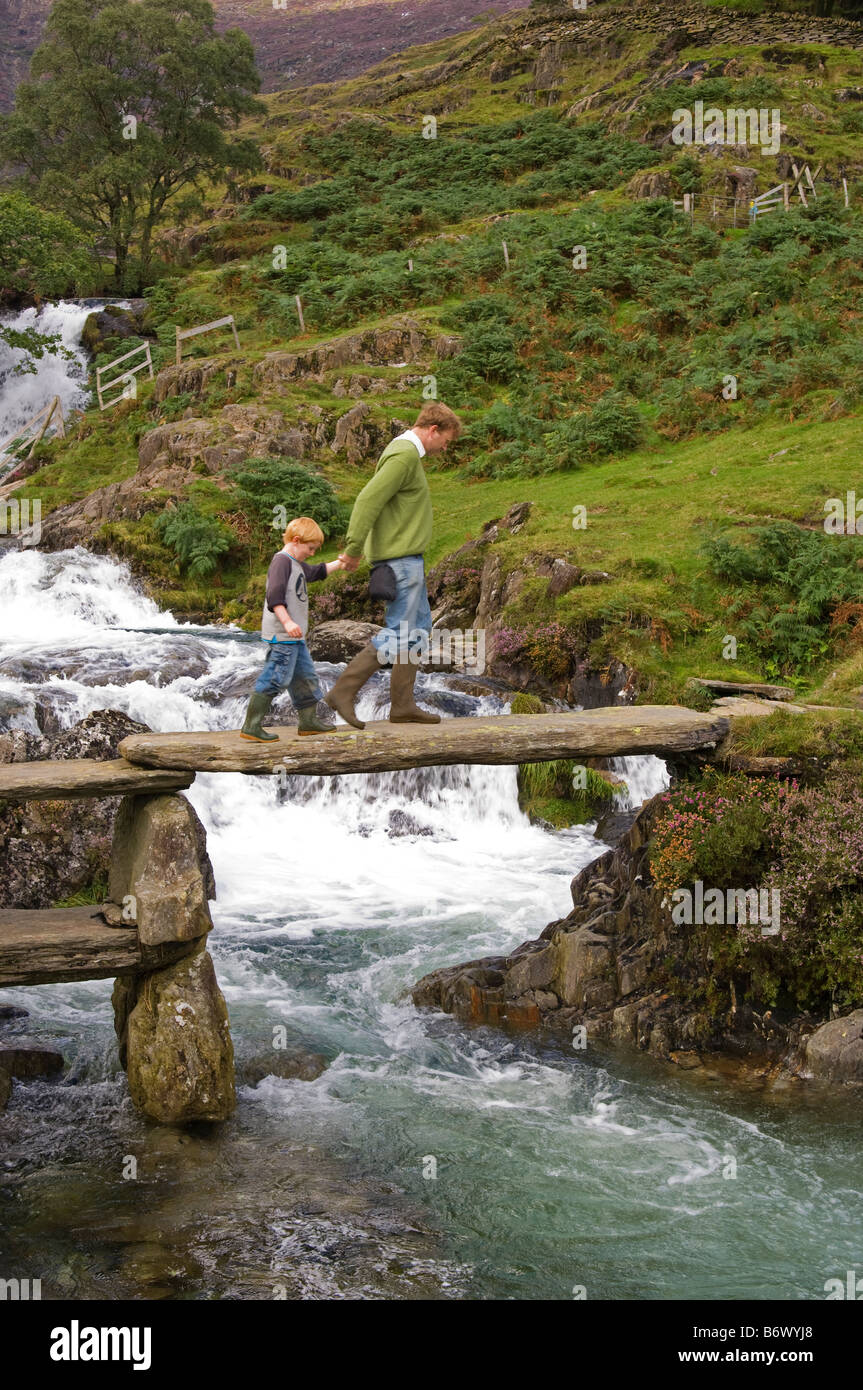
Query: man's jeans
[[290, 665], [408, 614]]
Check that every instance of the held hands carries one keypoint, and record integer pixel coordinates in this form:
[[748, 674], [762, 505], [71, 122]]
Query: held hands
[[349, 562]]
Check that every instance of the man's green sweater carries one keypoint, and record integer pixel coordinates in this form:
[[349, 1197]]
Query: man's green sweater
[[393, 514]]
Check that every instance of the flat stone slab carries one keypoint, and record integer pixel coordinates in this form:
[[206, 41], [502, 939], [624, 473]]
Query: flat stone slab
[[71, 943], [767, 692], [384, 747], [66, 779]]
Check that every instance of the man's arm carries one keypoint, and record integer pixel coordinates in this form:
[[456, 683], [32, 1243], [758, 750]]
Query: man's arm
[[372, 500]]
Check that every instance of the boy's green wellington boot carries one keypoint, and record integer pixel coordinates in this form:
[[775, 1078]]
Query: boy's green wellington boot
[[259, 706], [309, 723], [344, 692], [403, 707]]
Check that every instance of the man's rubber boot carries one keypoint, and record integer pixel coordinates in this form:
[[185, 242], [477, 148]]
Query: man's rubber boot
[[344, 692], [309, 723], [403, 707], [259, 706]]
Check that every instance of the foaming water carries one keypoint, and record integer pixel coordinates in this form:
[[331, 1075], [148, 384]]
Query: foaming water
[[429, 1159], [54, 374]]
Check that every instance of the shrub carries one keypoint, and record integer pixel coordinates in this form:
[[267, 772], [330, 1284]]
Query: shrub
[[266, 489], [198, 541]]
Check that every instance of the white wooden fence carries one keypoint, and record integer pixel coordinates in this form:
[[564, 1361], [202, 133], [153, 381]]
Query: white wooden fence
[[31, 433], [184, 333], [126, 379]]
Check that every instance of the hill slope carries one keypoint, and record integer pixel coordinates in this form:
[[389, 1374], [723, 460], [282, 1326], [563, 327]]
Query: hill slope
[[302, 41], [602, 386]]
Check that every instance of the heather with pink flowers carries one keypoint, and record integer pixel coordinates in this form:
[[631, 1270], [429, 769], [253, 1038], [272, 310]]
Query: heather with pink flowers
[[806, 844], [717, 830], [819, 873]]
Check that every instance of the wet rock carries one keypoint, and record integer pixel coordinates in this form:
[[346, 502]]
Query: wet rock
[[114, 322], [612, 827], [341, 639], [400, 823], [288, 1064], [835, 1050], [27, 1058], [8, 1012], [12, 708], [97, 736], [173, 1030], [16, 746]]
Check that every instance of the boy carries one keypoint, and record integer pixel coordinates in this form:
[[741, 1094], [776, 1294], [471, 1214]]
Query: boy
[[284, 624]]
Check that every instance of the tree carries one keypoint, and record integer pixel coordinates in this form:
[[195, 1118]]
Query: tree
[[40, 253], [124, 118], [40, 256]]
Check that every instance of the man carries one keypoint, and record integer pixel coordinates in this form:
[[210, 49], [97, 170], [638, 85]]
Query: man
[[392, 522]]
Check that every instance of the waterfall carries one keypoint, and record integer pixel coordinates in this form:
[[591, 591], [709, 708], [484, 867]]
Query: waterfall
[[22, 395], [644, 776]]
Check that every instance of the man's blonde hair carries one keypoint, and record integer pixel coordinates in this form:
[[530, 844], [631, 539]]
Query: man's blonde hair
[[436, 413], [302, 528]]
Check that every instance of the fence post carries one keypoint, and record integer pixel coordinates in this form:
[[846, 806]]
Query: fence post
[[179, 359], [299, 312], [786, 197], [505, 254], [845, 189]]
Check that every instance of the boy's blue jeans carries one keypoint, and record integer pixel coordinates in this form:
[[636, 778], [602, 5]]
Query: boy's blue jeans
[[409, 612], [289, 665]]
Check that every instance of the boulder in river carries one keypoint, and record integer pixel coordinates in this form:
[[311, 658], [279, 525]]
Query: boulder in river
[[834, 1051], [27, 1058], [175, 1041], [293, 1063]]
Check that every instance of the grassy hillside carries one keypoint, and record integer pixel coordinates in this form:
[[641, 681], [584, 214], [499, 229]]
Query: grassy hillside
[[602, 386]]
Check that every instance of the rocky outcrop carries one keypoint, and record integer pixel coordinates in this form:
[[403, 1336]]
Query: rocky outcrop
[[340, 640], [195, 378], [603, 971], [472, 588], [174, 1039], [403, 342]]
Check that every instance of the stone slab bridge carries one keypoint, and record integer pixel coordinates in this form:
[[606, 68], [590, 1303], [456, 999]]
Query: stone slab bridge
[[151, 934]]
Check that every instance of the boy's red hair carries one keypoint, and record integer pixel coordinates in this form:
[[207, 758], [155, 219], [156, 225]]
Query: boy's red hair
[[302, 528]]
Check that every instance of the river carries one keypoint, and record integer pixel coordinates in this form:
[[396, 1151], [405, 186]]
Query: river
[[552, 1172]]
